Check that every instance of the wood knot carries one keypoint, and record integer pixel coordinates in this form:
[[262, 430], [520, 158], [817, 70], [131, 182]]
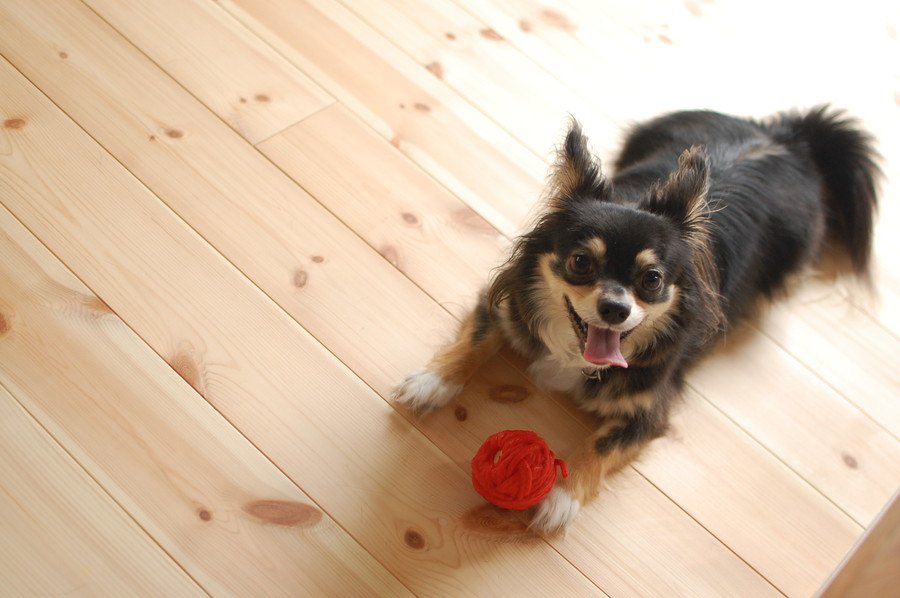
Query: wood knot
[[174, 133], [317, 259], [94, 303], [508, 393], [414, 539], [185, 366], [461, 413], [261, 97], [554, 18], [14, 123], [4, 325], [471, 219], [436, 69], [422, 107], [242, 100], [63, 55], [849, 460], [410, 218], [525, 25], [488, 33], [300, 278], [390, 253], [450, 36], [204, 515], [284, 512]]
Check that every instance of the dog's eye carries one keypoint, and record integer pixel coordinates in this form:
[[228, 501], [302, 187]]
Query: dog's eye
[[580, 265], [651, 281]]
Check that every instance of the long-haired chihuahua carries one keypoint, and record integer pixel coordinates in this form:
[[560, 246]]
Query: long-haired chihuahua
[[623, 282]]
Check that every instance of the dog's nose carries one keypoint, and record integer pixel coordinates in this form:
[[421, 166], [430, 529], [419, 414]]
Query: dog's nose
[[614, 312]]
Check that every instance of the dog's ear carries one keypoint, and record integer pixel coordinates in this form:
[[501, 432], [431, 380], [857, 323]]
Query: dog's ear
[[576, 174], [683, 197]]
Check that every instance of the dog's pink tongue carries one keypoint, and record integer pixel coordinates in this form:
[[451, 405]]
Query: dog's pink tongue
[[602, 347]]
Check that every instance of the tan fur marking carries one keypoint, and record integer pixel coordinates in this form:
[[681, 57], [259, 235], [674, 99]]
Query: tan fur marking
[[597, 246], [588, 469], [646, 258], [657, 318], [559, 287], [459, 360]]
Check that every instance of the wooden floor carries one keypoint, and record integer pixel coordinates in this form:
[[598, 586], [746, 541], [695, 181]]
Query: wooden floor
[[229, 227]]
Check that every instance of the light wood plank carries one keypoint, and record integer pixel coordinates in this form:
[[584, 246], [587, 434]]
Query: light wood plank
[[61, 533], [829, 442], [784, 528], [246, 83], [323, 427], [430, 235], [479, 64], [272, 230], [405, 103], [844, 345], [614, 80], [184, 473]]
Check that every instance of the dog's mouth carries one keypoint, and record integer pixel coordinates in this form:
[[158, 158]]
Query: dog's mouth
[[600, 346]]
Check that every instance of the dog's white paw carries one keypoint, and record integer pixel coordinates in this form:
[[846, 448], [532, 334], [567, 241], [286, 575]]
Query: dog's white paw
[[423, 390], [555, 512]]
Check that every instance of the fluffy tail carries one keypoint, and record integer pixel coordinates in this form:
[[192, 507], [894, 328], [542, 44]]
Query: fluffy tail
[[846, 158]]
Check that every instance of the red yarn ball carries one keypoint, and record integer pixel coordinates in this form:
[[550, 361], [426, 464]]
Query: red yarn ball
[[515, 469]]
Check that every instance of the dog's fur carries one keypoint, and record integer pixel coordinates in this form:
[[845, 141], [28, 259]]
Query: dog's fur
[[623, 282]]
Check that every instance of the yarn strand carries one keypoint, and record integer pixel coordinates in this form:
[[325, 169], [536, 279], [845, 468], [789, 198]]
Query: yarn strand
[[515, 469]]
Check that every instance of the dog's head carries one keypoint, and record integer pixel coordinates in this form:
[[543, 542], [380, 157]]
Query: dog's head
[[606, 280]]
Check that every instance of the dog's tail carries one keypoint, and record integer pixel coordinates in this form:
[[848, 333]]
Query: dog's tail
[[845, 157]]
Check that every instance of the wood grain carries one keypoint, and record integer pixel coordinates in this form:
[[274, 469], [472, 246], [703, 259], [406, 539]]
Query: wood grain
[[285, 241], [427, 233], [482, 66], [789, 518], [404, 103], [836, 448], [246, 83], [180, 470], [844, 345], [325, 429], [405, 193], [61, 533]]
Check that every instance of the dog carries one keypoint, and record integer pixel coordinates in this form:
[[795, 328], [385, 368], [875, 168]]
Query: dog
[[624, 282]]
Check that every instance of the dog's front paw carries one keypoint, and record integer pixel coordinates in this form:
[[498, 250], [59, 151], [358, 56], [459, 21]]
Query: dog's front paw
[[555, 512], [424, 390]]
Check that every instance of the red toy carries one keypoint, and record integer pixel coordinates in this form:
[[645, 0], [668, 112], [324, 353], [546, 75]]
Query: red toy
[[515, 469]]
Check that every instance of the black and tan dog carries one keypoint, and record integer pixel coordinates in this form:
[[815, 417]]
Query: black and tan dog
[[623, 282]]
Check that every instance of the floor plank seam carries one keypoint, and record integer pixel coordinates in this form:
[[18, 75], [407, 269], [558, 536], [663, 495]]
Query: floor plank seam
[[200, 397], [749, 435], [90, 475]]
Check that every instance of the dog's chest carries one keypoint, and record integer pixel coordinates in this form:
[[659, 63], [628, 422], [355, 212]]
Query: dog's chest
[[555, 373]]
